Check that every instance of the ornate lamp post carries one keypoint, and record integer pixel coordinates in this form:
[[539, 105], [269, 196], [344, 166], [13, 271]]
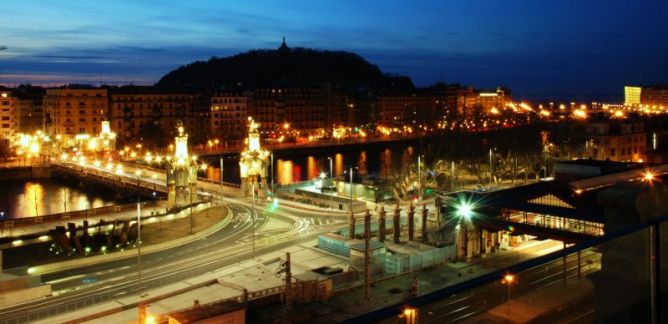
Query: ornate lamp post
[[181, 172], [253, 162]]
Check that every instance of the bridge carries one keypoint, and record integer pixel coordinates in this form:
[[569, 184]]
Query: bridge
[[205, 150]]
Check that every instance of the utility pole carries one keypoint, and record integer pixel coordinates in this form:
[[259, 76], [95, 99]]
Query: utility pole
[[139, 247], [491, 170], [419, 179], [253, 213], [191, 208], [222, 183], [367, 255], [352, 214], [271, 172], [331, 182]]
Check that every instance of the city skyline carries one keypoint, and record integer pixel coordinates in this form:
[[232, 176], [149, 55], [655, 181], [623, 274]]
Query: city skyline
[[540, 50]]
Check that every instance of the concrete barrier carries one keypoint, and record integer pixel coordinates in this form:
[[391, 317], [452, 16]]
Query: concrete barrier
[[82, 262], [23, 295]]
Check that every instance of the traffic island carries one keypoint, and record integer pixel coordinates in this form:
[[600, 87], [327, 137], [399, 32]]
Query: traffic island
[[157, 234]]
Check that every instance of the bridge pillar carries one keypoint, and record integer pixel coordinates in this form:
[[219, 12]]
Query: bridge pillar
[[381, 224], [425, 213], [396, 225]]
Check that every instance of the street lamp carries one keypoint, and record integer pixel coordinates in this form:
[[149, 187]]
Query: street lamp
[[648, 176], [491, 171], [253, 213], [139, 247], [508, 280], [410, 314], [464, 210]]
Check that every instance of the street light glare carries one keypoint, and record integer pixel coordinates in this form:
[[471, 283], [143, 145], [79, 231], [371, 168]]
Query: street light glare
[[648, 176], [508, 279], [465, 210]]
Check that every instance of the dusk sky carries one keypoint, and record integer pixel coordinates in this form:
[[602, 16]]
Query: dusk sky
[[580, 49]]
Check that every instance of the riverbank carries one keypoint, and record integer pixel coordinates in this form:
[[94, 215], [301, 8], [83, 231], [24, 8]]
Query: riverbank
[[32, 172]]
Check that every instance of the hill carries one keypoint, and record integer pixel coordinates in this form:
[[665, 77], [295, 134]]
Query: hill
[[282, 67]]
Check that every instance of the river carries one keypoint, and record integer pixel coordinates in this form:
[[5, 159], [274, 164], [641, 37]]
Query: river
[[26, 198]]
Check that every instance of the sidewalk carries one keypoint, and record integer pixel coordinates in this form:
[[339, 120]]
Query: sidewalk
[[538, 306]]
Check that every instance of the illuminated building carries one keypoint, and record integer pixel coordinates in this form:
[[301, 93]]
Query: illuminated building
[[305, 109], [632, 95], [253, 162], [228, 115], [395, 110], [72, 111], [133, 108], [616, 141], [654, 96], [493, 99], [30, 109], [7, 116]]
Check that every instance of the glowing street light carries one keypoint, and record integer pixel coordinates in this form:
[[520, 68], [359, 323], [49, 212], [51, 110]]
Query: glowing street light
[[508, 280], [464, 210], [648, 176], [410, 314]]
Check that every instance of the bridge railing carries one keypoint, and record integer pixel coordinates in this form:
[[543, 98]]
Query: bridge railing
[[116, 179], [65, 216]]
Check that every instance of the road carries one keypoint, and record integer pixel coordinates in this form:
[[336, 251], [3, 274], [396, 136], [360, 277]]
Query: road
[[90, 285]]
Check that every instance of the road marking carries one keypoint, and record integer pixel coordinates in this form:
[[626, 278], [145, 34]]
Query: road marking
[[65, 279]]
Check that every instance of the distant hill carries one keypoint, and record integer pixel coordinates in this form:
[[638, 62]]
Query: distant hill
[[282, 67]]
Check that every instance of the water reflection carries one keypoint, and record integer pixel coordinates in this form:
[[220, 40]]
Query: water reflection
[[368, 162], [43, 197], [290, 167]]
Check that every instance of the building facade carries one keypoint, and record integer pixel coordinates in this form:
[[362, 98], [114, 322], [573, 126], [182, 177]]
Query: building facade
[[301, 108], [30, 112], [632, 95], [655, 96], [229, 115], [136, 108], [616, 141], [7, 115], [72, 111]]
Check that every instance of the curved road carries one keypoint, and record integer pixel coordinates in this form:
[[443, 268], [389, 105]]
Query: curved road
[[90, 285]]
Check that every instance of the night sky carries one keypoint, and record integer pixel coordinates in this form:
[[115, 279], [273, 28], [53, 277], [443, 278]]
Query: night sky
[[583, 50]]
